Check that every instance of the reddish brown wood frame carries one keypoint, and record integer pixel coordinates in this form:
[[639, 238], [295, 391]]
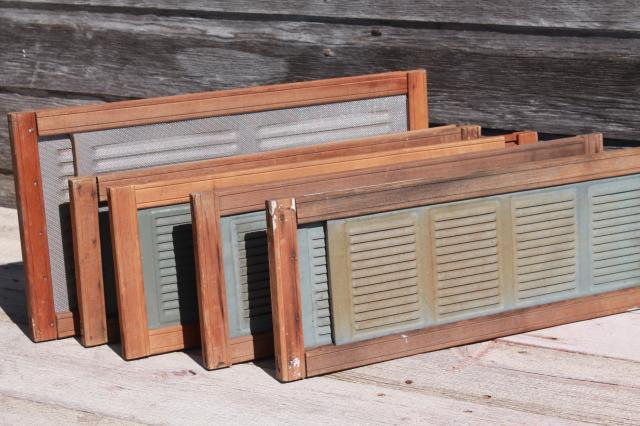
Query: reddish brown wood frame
[[27, 127], [244, 199], [388, 197], [137, 339]]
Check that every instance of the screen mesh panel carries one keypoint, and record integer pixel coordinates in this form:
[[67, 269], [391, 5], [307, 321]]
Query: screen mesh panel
[[482, 256], [168, 143]]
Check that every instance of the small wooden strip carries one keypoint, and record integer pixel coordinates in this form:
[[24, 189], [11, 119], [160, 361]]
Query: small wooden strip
[[284, 277], [174, 338], [87, 256], [333, 358], [67, 324], [212, 301], [522, 138], [417, 100], [125, 241], [149, 111], [33, 227], [249, 348]]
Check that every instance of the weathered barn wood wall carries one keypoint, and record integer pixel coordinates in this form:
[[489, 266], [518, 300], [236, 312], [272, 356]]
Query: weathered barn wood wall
[[562, 67]]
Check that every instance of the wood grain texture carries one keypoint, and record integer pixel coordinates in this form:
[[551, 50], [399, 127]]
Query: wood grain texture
[[284, 283], [417, 100], [241, 198], [212, 305], [132, 311], [67, 324], [33, 234], [87, 257], [361, 146], [619, 14], [557, 72], [334, 358], [210, 104], [176, 191], [511, 178]]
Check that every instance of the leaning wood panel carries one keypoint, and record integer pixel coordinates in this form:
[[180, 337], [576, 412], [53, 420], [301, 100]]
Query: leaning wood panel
[[33, 234], [57, 161], [132, 310]]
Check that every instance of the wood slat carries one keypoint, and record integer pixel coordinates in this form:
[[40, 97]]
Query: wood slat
[[212, 304], [132, 311], [87, 256], [33, 233], [284, 282], [149, 111]]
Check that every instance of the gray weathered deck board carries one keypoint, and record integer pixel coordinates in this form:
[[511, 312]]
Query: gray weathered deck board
[[500, 381]]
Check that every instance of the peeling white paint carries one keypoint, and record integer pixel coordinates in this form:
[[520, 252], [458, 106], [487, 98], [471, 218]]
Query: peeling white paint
[[293, 204], [294, 363], [405, 338]]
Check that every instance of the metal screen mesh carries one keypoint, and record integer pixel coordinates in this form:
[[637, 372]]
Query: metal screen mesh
[[169, 143], [166, 143]]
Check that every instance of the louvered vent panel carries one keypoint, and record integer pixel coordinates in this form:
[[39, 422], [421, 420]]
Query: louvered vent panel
[[320, 284], [384, 277], [615, 229], [56, 165], [168, 143], [314, 288], [467, 267], [545, 237], [246, 264], [169, 268]]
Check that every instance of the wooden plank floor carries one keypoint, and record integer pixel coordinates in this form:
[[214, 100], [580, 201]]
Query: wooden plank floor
[[587, 372]]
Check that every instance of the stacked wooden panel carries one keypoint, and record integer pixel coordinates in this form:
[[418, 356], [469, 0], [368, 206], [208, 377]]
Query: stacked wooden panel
[[322, 222]]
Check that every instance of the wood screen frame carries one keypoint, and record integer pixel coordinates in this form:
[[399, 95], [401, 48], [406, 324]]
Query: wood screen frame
[[390, 197], [212, 345], [129, 289], [85, 196], [27, 127]]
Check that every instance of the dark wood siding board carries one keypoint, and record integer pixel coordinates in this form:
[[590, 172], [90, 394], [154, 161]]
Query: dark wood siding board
[[619, 15], [560, 76]]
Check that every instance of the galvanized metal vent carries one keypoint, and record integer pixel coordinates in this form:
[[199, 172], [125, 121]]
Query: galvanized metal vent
[[483, 256], [168, 265], [615, 228]]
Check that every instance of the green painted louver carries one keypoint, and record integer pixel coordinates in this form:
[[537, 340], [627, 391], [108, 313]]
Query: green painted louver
[[168, 265], [409, 269], [246, 271]]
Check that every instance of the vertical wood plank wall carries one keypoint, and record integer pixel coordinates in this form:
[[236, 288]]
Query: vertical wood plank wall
[[560, 87]]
